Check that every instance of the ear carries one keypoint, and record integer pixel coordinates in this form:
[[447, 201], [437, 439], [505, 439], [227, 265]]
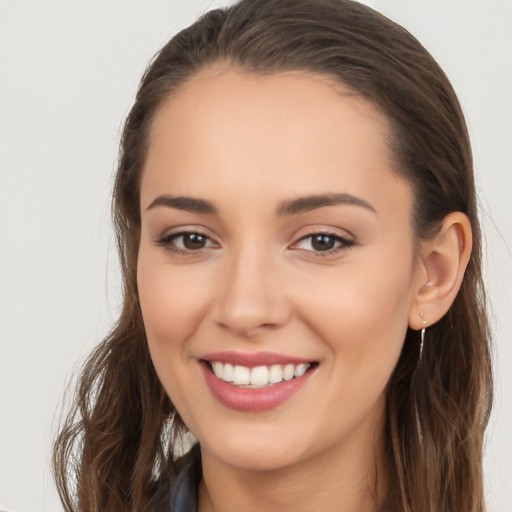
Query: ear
[[441, 265]]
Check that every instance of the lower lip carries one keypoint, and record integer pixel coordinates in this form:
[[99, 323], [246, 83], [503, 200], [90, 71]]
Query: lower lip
[[252, 400]]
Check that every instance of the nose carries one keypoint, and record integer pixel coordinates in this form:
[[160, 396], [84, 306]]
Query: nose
[[252, 295]]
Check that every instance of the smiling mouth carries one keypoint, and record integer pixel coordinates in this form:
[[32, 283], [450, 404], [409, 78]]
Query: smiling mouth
[[259, 376]]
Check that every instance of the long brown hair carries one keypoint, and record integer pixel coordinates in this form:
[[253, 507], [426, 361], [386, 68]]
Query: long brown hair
[[119, 441]]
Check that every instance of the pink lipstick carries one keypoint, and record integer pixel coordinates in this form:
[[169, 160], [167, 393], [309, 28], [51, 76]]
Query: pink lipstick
[[254, 382]]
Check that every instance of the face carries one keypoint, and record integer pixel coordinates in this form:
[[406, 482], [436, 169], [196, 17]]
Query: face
[[276, 265]]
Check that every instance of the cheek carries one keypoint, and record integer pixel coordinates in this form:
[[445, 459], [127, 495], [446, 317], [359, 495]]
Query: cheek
[[172, 302], [362, 312]]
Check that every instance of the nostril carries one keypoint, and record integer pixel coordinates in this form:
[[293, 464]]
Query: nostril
[[249, 298], [245, 319]]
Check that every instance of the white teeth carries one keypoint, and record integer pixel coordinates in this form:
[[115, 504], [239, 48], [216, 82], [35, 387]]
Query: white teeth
[[275, 374], [259, 376], [242, 375], [301, 369], [218, 369], [228, 373], [289, 372]]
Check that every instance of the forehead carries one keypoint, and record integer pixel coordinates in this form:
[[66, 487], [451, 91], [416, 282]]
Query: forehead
[[291, 133], [219, 98]]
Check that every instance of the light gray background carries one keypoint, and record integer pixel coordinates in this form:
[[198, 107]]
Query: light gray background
[[68, 74]]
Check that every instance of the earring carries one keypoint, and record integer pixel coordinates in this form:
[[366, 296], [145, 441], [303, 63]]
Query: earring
[[422, 337]]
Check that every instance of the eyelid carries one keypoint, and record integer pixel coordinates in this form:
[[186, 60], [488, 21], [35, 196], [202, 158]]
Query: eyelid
[[166, 240], [343, 242]]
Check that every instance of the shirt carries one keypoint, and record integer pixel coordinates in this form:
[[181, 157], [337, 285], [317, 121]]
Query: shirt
[[185, 489]]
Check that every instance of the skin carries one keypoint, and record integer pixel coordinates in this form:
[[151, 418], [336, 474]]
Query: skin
[[246, 143]]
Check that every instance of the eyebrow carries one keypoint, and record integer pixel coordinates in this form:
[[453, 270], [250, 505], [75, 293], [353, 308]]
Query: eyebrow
[[304, 204], [187, 204], [288, 207]]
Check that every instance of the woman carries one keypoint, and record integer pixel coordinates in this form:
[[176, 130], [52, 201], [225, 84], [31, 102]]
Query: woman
[[297, 226]]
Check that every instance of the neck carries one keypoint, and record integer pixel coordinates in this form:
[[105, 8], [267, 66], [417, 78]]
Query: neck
[[352, 478]]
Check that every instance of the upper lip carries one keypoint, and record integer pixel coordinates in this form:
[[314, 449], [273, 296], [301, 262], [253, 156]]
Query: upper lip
[[251, 360]]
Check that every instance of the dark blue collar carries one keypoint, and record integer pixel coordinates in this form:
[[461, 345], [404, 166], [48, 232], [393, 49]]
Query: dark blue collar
[[186, 486]]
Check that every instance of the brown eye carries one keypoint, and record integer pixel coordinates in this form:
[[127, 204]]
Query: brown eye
[[186, 242], [322, 242], [193, 241]]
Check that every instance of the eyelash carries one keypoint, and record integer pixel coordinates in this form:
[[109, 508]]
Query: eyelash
[[167, 242], [343, 243]]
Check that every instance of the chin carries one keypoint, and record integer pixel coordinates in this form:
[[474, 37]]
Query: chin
[[259, 447], [255, 457]]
